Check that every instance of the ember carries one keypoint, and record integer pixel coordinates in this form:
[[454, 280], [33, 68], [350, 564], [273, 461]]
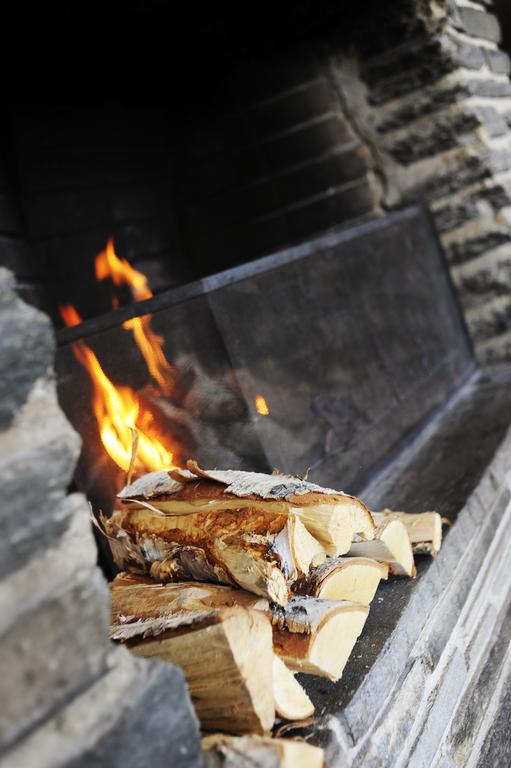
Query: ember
[[261, 406]]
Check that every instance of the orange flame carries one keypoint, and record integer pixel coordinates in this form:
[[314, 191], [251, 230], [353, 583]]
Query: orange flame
[[69, 315], [118, 409], [261, 405], [120, 271]]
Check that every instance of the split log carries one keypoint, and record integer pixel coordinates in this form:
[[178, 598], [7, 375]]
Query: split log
[[343, 578], [249, 529], [139, 605], [424, 529], [291, 701], [226, 656], [317, 636], [249, 751], [390, 545]]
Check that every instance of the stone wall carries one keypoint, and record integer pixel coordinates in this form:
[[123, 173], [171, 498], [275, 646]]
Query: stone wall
[[69, 698], [432, 99]]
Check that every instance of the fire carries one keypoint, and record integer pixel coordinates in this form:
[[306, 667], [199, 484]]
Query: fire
[[69, 315], [120, 271], [119, 409], [261, 405]]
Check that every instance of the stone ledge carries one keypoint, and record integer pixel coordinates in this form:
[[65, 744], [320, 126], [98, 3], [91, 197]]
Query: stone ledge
[[138, 714], [51, 652], [68, 560], [26, 349], [412, 690], [37, 458]]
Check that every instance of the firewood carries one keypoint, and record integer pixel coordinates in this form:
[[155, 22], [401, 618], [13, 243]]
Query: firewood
[[390, 545], [245, 751], [332, 517], [226, 656], [139, 601], [317, 636], [343, 578], [256, 531], [291, 701], [424, 529]]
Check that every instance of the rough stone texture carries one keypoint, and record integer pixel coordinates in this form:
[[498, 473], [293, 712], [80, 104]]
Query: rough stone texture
[[479, 24], [68, 697], [137, 714], [52, 651], [433, 105], [25, 333]]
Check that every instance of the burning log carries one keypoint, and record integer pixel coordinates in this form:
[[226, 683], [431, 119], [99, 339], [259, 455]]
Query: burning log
[[424, 529], [343, 578], [143, 609], [246, 752], [390, 545], [249, 529], [317, 636]]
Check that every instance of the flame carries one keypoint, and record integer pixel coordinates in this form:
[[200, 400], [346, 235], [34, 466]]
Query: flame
[[69, 315], [120, 271], [261, 405], [119, 409]]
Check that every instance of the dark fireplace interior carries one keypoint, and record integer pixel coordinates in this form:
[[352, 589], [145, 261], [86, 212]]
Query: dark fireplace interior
[[295, 318]]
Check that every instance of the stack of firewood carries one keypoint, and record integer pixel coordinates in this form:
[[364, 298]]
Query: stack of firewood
[[244, 579]]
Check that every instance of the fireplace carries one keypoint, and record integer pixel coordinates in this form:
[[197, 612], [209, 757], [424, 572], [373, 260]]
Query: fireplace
[[307, 268]]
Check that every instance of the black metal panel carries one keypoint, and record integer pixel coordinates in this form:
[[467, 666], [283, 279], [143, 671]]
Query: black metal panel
[[352, 345]]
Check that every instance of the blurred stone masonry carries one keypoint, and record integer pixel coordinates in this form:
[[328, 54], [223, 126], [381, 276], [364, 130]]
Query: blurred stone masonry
[[434, 106], [68, 696]]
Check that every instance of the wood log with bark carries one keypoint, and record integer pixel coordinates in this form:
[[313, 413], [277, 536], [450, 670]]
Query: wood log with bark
[[257, 531], [317, 636], [343, 578], [250, 751], [390, 545], [163, 620], [424, 529]]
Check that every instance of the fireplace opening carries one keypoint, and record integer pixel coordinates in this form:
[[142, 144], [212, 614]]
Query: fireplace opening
[[292, 258]]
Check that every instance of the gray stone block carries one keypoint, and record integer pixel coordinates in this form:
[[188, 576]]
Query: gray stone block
[[52, 652], [454, 215], [409, 71], [460, 252], [441, 704], [138, 714], [493, 321], [398, 719], [463, 731], [480, 24], [66, 560], [26, 349], [489, 88], [498, 61], [496, 749], [488, 282], [37, 459], [474, 165], [449, 130]]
